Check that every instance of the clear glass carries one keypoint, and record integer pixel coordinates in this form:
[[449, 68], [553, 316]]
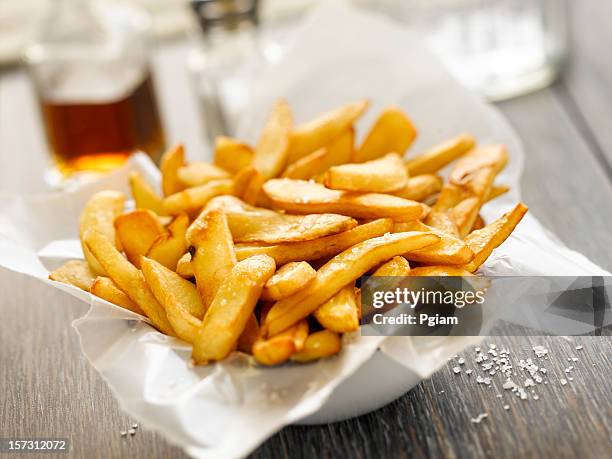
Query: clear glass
[[97, 102]]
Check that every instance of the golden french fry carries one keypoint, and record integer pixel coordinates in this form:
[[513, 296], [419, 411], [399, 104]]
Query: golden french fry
[[340, 271], [200, 172], [137, 231], [256, 224], [339, 314], [383, 175], [170, 163], [440, 271], [183, 267], [74, 272], [287, 280], [442, 221], [318, 248], [317, 162], [179, 297], [492, 156], [420, 187], [440, 155], [273, 147], [304, 197], [192, 200], [449, 251], [318, 345], [392, 132], [145, 197], [247, 184], [496, 192], [128, 278], [98, 215], [280, 348], [396, 266], [249, 335], [231, 308], [484, 241], [214, 255], [168, 248], [479, 223], [106, 289], [231, 154], [320, 132]]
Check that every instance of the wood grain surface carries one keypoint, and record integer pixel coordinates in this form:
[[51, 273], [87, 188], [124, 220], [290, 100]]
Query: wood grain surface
[[48, 389]]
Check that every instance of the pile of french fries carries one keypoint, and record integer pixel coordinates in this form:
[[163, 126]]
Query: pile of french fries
[[259, 251]]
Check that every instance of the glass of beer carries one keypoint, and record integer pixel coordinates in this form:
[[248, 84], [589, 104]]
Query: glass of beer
[[97, 101]]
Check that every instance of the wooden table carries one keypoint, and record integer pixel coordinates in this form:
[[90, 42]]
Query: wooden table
[[48, 389]]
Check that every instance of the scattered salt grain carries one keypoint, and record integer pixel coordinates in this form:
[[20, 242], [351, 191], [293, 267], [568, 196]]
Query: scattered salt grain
[[579, 348], [457, 370], [478, 419], [132, 432], [461, 361], [123, 433], [506, 407], [563, 382]]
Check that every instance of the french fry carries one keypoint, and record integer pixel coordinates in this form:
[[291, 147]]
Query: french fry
[[226, 318], [420, 187], [383, 175], [200, 172], [214, 254], [440, 155], [137, 231], [273, 147], [440, 271], [98, 215], [396, 266], [317, 162], [280, 348], [169, 165], [249, 335], [320, 132], [287, 280], [340, 271], [232, 155], [247, 184], [184, 268], [392, 132], [169, 247], [484, 241], [340, 314], [256, 224], [74, 272], [179, 297], [106, 289], [303, 197], [128, 278], [192, 200], [318, 248], [496, 192], [318, 345], [492, 156], [145, 197], [479, 223]]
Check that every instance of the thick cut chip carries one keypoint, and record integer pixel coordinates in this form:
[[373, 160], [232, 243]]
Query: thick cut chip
[[484, 241], [440, 271], [248, 183], [249, 335], [273, 147], [383, 175], [449, 251], [200, 172], [322, 131], [340, 271], [106, 289], [192, 200], [318, 345], [310, 166], [392, 132], [98, 215], [287, 280], [440, 155], [420, 187], [233, 304], [396, 266], [304, 197], [340, 313], [231, 154], [169, 247], [169, 165], [137, 231], [442, 221], [256, 224], [492, 156], [280, 348], [179, 297], [183, 267], [214, 254], [318, 248], [128, 278], [145, 197], [74, 272]]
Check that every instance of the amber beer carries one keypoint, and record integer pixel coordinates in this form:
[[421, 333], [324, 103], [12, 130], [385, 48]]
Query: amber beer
[[99, 135]]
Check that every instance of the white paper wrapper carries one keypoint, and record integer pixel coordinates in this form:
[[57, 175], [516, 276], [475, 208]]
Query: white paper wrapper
[[226, 410]]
